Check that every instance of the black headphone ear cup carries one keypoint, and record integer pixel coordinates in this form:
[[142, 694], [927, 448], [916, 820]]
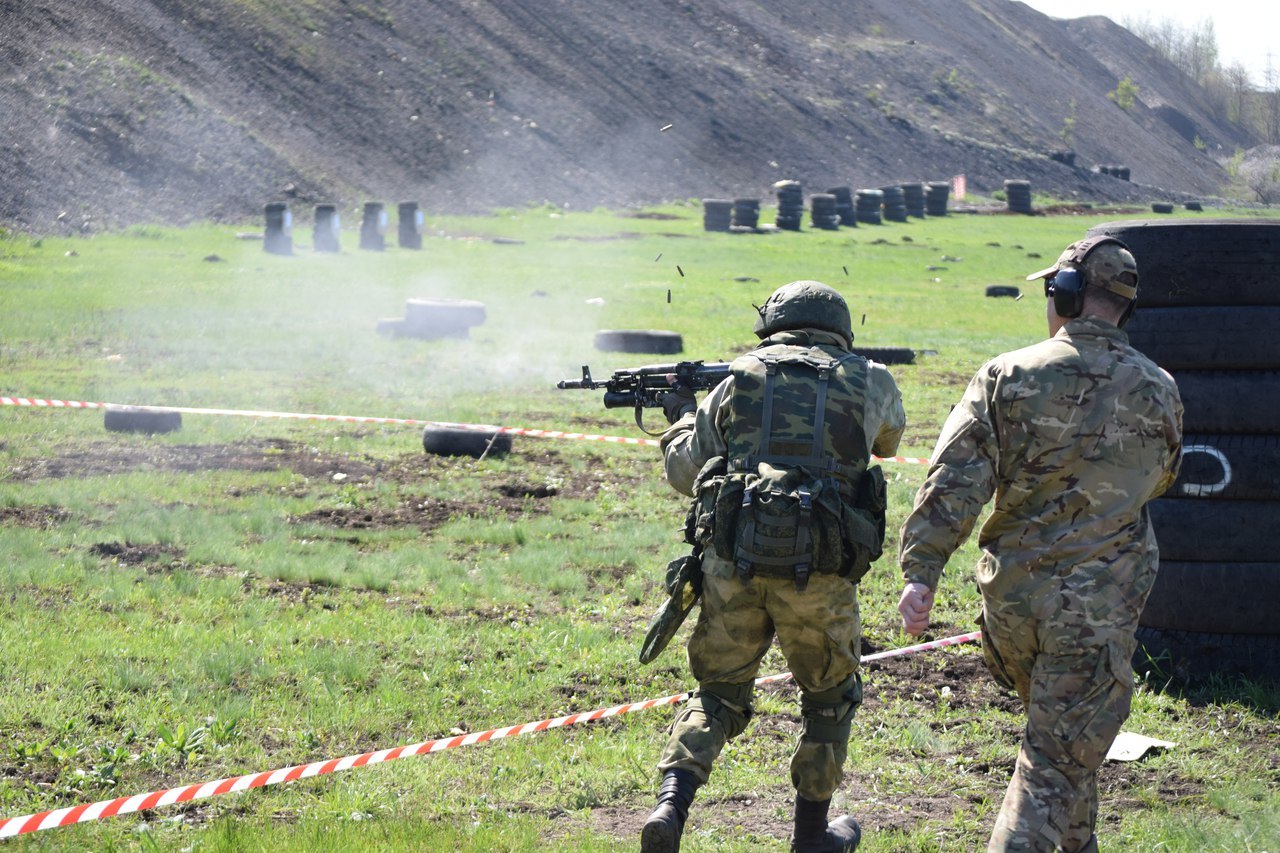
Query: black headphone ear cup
[[1068, 293]]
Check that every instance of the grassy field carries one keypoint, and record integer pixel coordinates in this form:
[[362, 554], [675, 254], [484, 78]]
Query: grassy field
[[251, 593]]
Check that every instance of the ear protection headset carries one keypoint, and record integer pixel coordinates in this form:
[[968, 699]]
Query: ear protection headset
[[1067, 285]]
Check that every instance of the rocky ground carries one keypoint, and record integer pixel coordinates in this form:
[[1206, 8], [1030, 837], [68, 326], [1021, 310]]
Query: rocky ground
[[116, 112]]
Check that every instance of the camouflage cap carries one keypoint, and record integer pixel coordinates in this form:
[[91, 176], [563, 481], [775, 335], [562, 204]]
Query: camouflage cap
[[804, 305], [1105, 262]]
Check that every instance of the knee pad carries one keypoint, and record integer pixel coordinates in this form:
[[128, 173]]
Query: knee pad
[[727, 704], [828, 715]]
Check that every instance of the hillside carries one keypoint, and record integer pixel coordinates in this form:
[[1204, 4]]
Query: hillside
[[123, 111]]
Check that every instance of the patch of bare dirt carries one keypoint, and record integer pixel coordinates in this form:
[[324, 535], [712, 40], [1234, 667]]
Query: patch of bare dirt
[[102, 458], [39, 517], [130, 554]]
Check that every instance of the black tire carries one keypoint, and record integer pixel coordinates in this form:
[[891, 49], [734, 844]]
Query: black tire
[[1202, 262], [1230, 403], [887, 355], [441, 318], [141, 419], [1194, 206], [1003, 290], [1192, 656], [455, 441], [1224, 337], [655, 341], [1206, 597], [1161, 207], [1218, 531], [1229, 467]]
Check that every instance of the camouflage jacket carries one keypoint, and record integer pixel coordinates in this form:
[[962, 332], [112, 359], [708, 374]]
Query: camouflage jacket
[[1072, 436], [696, 438]]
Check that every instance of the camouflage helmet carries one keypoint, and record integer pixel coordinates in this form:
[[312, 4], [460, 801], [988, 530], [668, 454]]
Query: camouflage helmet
[[804, 305], [1105, 262]]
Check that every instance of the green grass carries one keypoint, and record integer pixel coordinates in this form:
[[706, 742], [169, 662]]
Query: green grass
[[173, 616]]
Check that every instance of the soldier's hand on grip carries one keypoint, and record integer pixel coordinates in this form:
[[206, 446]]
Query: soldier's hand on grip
[[679, 401], [914, 605]]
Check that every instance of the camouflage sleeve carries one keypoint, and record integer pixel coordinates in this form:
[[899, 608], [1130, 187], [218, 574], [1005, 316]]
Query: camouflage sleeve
[[960, 481], [691, 441], [888, 412], [1173, 434]]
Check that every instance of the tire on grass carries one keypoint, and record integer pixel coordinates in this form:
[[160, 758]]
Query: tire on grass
[[141, 419], [657, 341], [1181, 655], [456, 441], [1003, 290]]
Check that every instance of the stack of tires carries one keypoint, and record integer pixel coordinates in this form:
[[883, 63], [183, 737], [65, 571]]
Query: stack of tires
[[277, 237], [409, 225], [913, 197], [1121, 172], [1067, 158], [373, 227], [326, 228], [822, 211], [1018, 196], [1208, 306], [895, 204], [717, 214], [790, 204], [866, 206], [746, 213], [936, 195], [844, 205]]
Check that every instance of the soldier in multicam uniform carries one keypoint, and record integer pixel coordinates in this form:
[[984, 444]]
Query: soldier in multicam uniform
[[793, 425], [1072, 436]]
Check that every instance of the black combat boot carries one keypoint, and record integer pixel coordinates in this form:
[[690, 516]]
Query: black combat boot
[[661, 833], [814, 835]]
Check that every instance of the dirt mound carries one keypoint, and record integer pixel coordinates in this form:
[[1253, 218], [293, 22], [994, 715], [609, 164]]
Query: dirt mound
[[124, 111]]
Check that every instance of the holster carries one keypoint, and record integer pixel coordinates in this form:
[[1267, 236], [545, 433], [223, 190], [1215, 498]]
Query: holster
[[684, 589]]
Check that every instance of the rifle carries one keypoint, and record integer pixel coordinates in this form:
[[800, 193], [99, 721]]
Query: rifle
[[644, 387]]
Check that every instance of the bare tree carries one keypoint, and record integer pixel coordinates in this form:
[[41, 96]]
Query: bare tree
[[1261, 173]]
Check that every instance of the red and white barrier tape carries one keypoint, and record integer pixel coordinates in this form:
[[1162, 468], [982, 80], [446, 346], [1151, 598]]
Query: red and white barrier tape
[[30, 402], [23, 824]]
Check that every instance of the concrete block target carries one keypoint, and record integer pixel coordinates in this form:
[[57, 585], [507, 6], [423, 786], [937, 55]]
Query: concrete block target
[[141, 419]]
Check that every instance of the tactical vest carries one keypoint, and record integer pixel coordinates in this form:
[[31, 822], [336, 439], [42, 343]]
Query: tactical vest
[[794, 494]]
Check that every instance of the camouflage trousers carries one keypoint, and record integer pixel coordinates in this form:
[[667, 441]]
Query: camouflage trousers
[[1076, 683], [820, 636]]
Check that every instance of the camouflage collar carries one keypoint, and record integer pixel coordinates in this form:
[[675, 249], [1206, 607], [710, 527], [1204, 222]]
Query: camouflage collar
[[805, 338], [1092, 327]]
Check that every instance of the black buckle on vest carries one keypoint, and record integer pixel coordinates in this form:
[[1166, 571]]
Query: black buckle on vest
[[802, 576]]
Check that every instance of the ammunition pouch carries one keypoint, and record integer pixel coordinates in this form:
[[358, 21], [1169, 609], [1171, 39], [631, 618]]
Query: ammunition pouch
[[786, 523]]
